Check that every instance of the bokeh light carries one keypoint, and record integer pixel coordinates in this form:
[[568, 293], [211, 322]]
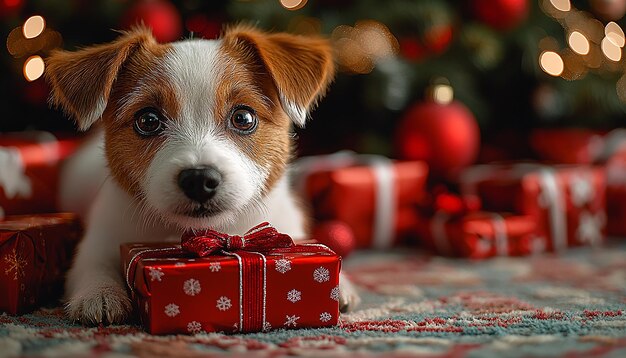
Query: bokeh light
[[33, 26], [443, 93], [551, 63], [611, 50], [360, 47], [33, 68], [614, 33], [561, 5], [293, 4], [578, 43]]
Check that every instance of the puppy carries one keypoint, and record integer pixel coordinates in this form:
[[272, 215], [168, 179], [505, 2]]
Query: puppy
[[197, 133]]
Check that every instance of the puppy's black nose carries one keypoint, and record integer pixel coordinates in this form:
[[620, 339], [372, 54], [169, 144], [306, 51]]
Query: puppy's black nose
[[199, 184]]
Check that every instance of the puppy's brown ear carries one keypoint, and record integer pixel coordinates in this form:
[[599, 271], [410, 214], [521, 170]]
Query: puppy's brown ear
[[81, 81], [301, 67]]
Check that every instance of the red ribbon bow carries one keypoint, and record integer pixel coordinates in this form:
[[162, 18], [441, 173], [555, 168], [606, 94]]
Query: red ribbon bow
[[261, 238]]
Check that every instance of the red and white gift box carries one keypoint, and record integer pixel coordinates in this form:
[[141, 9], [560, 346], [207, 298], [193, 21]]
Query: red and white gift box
[[29, 171], [232, 290], [480, 235], [568, 202], [375, 196]]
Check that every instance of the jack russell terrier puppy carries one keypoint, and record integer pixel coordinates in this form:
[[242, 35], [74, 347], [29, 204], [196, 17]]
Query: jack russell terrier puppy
[[197, 134]]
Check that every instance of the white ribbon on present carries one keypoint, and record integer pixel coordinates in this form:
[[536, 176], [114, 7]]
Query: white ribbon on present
[[13, 179], [385, 198], [553, 198], [501, 239]]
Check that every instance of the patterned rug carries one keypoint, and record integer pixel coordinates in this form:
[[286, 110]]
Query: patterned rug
[[572, 305]]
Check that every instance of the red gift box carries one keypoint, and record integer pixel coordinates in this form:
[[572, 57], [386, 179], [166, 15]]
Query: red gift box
[[616, 195], [35, 253], [568, 202], [29, 177], [480, 235], [575, 146], [232, 291], [375, 196]]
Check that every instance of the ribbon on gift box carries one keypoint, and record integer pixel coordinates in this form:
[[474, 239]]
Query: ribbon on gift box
[[249, 249], [444, 245], [385, 208]]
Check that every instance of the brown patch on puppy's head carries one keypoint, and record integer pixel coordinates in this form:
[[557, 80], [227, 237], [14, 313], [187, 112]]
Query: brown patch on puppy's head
[[293, 72], [94, 83]]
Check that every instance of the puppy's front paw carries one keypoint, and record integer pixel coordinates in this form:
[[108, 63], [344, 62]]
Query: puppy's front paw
[[349, 298], [107, 303]]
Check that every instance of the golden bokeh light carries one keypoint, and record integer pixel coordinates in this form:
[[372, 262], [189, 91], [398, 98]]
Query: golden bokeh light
[[443, 93], [359, 48], [551, 63], [561, 5], [33, 68], [33, 26], [578, 43], [293, 4], [614, 33], [611, 50]]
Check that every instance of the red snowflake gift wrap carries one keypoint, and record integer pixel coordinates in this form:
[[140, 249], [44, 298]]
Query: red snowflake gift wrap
[[232, 291], [567, 202], [375, 196], [29, 171], [35, 253], [481, 235]]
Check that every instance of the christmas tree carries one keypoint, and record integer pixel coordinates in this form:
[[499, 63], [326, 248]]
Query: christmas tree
[[515, 65]]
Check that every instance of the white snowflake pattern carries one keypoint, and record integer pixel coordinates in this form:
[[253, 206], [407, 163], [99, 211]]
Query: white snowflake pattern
[[172, 310], [291, 321], [294, 296], [283, 265], [590, 228], [267, 326], [192, 287], [223, 303], [581, 190], [334, 293], [194, 327], [179, 264], [321, 274], [155, 274], [15, 264], [215, 266], [325, 317]]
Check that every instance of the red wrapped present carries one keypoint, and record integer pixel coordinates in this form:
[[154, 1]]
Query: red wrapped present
[[35, 253], [30, 171], [576, 146], [568, 202], [214, 282], [480, 235], [616, 195], [375, 196]]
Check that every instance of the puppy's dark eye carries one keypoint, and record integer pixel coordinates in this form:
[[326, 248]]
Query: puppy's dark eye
[[243, 120], [148, 122]]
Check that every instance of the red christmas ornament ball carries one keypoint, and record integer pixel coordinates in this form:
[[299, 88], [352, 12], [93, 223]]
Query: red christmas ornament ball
[[502, 15], [159, 15], [446, 136], [337, 235]]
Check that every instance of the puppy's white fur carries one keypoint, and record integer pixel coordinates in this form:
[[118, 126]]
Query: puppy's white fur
[[95, 290]]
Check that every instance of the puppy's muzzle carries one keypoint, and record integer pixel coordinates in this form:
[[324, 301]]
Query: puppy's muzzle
[[199, 184]]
